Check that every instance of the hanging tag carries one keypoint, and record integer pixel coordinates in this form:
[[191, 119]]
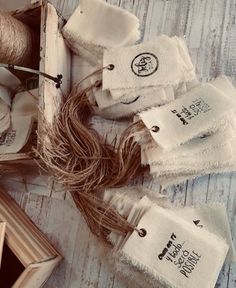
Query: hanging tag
[[17, 135], [213, 218], [175, 252], [25, 103], [8, 79], [154, 63], [192, 115], [200, 167], [5, 95], [193, 148], [96, 25]]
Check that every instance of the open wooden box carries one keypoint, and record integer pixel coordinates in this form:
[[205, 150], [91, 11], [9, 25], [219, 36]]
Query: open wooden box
[[28, 258], [55, 59]]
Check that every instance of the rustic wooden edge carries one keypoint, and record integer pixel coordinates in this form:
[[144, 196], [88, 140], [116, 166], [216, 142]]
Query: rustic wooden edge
[[28, 243]]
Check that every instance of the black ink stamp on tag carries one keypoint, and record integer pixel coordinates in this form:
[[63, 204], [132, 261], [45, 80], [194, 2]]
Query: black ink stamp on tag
[[145, 64], [127, 102], [8, 138]]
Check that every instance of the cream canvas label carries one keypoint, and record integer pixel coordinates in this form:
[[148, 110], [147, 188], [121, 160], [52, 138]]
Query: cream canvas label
[[174, 252], [190, 116], [153, 63]]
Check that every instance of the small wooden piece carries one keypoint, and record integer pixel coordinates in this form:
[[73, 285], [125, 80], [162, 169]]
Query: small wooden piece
[[26, 250], [2, 236]]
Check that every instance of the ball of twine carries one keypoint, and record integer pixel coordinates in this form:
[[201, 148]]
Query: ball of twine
[[16, 41]]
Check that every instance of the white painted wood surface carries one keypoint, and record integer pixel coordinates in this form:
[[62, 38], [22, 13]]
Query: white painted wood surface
[[210, 30]]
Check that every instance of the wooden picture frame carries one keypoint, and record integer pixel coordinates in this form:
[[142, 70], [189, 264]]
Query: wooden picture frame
[[28, 257], [2, 237]]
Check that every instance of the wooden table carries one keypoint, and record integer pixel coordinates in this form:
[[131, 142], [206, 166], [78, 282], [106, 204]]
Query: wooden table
[[210, 30]]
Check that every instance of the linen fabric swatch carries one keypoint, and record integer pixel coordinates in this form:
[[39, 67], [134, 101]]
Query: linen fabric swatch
[[96, 25]]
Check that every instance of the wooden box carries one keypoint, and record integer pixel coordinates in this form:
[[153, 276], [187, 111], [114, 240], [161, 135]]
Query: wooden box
[[55, 59], [28, 258]]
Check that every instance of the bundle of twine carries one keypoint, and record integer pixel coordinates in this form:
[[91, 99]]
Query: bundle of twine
[[17, 42], [82, 160]]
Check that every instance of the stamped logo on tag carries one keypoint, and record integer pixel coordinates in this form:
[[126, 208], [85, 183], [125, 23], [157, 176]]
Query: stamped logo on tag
[[145, 64]]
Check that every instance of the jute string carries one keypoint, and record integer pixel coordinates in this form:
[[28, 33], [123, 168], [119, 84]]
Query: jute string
[[82, 160], [16, 41]]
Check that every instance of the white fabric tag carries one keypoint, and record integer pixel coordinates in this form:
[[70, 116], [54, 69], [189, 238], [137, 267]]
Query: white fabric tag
[[175, 252], [154, 63], [26, 103], [8, 79], [123, 199], [17, 135], [5, 123], [5, 95], [213, 218], [136, 101], [96, 25], [173, 179], [212, 159], [195, 113], [4, 116], [126, 200], [193, 148]]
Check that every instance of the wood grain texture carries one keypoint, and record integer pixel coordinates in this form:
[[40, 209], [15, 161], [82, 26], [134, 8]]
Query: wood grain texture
[[209, 27]]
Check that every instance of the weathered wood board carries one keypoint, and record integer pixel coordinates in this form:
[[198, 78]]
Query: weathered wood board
[[210, 30]]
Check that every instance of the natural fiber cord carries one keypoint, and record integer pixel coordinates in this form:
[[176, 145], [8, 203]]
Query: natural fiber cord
[[16, 41], [80, 159]]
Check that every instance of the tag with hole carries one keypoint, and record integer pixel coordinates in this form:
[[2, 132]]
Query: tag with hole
[[174, 252], [155, 63], [192, 149], [199, 111]]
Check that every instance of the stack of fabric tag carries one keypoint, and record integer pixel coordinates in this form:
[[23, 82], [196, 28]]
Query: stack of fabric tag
[[171, 247], [130, 84], [193, 135], [18, 113]]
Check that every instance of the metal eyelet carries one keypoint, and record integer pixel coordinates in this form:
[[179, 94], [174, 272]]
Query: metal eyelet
[[142, 232], [110, 67], [155, 129]]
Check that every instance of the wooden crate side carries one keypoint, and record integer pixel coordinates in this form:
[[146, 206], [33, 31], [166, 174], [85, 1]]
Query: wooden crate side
[[55, 59]]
